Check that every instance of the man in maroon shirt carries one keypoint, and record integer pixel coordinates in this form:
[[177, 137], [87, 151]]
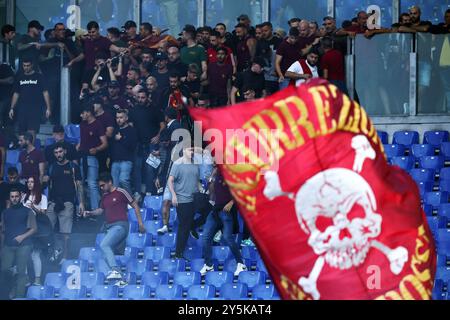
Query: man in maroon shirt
[[92, 141], [114, 205], [245, 47], [360, 27], [31, 159], [288, 52], [219, 75], [108, 122], [332, 65]]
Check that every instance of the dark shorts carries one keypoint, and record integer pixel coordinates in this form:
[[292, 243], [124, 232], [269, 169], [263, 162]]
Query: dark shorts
[[27, 120]]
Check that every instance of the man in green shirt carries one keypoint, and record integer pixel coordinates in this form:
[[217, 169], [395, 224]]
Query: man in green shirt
[[192, 52]]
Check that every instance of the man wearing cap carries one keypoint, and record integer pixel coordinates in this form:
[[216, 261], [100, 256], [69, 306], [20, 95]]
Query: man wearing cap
[[162, 71], [192, 52], [245, 47], [58, 136], [115, 100], [253, 77], [130, 35]]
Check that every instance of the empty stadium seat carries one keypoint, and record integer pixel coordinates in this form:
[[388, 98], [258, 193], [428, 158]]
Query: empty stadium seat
[[101, 266], [432, 162], [221, 254], [82, 264], [422, 150], [422, 174], [425, 186], [91, 279], [49, 141], [445, 150], [154, 279], [156, 254], [103, 292], [218, 278], [146, 214], [153, 226], [201, 292], [394, 150], [435, 138], [169, 292], [172, 266], [197, 264], [139, 266], [136, 292], [139, 240], [406, 138], [428, 209], [90, 254], [406, 163], [265, 292], [444, 185], [384, 137], [250, 253], [72, 294], [230, 265], [55, 280], [191, 253], [166, 240], [435, 198], [260, 266], [187, 279], [444, 174], [153, 202], [72, 132], [233, 291], [40, 292], [433, 223], [444, 210], [252, 278]]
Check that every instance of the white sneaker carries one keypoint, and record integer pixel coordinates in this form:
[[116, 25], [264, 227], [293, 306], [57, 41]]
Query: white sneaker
[[206, 269], [114, 275], [239, 268], [218, 236], [163, 230]]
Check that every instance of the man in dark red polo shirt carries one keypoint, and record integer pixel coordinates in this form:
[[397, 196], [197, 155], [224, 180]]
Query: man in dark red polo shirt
[[332, 64], [108, 122], [31, 159], [92, 141], [220, 75], [288, 52], [360, 27], [114, 205]]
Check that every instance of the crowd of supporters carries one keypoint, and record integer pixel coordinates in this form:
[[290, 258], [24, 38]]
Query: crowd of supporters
[[131, 89]]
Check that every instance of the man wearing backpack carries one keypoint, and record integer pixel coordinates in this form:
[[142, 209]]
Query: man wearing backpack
[[65, 188]]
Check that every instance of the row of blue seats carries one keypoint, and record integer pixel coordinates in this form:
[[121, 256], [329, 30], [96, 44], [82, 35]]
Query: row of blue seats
[[409, 137], [417, 150], [427, 162], [228, 291]]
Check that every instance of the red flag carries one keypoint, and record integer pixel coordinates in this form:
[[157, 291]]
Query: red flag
[[330, 217]]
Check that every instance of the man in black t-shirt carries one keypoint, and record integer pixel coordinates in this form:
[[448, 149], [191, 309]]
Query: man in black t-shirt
[[65, 188], [254, 77], [58, 135], [29, 92]]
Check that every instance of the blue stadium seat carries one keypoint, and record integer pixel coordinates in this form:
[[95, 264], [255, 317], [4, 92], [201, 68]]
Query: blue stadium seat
[[169, 292], [230, 265], [445, 150], [166, 240], [233, 291], [55, 280], [443, 235], [422, 150], [191, 253], [49, 141], [82, 264], [444, 210], [406, 138], [12, 156], [172, 266], [406, 163], [435, 198], [265, 292], [201, 292], [156, 254], [435, 138], [90, 254], [192, 242], [102, 292], [91, 279], [197, 264], [139, 266], [443, 273], [153, 202], [444, 185], [394, 150], [72, 294], [252, 278], [139, 240], [428, 209], [425, 186], [154, 279], [433, 223], [260, 266], [101, 266], [153, 226], [221, 254], [433, 162], [99, 239], [72, 132], [136, 292], [251, 253], [187, 279], [422, 174], [384, 137], [40, 292], [218, 278], [438, 290], [444, 174], [146, 214]]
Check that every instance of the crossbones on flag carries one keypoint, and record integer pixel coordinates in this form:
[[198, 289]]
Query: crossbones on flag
[[330, 217]]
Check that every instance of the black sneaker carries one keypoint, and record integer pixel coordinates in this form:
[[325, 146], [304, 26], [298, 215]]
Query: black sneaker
[[194, 234]]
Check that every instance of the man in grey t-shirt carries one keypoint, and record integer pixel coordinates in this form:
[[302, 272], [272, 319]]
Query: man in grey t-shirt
[[183, 183]]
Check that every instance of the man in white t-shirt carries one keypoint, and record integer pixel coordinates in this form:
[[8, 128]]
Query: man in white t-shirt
[[304, 69]]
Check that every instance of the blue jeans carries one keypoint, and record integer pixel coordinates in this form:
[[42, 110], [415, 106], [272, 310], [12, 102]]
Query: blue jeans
[[210, 229], [121, 173], [92, 176], [285, 84], [116, 233], [142, 169]]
